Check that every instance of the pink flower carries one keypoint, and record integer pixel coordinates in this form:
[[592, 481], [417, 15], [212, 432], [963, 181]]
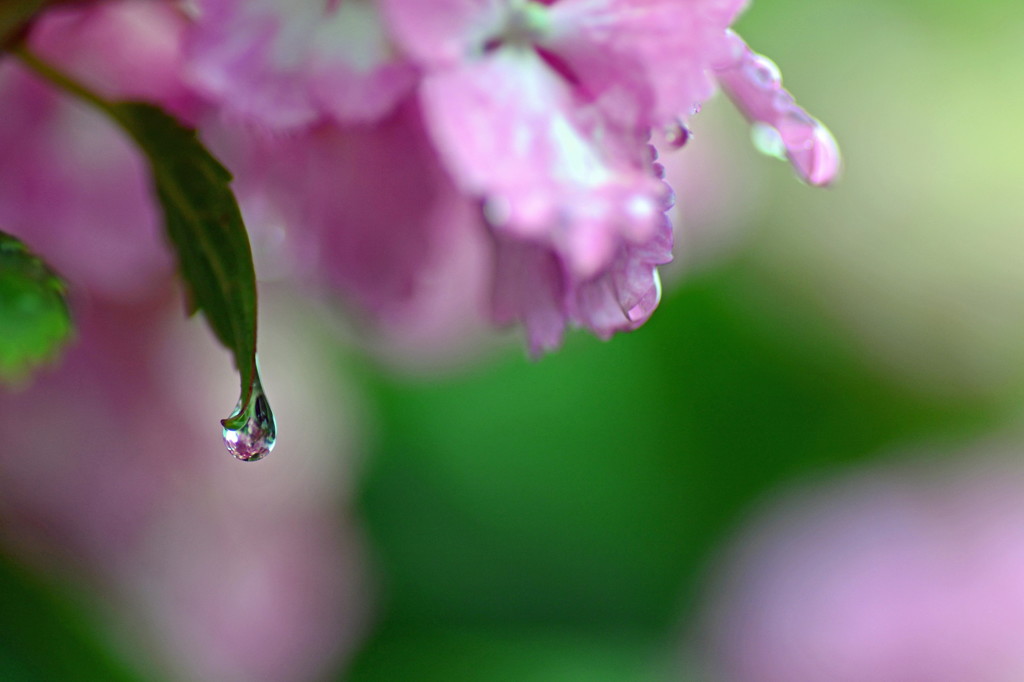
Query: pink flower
[[544, 111], [532, 123]]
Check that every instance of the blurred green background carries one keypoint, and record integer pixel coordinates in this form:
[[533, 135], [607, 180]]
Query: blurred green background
[[557, 520]]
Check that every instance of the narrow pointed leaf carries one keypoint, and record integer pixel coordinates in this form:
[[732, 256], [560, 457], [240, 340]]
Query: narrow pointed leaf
[[205, 227], [34, 319]]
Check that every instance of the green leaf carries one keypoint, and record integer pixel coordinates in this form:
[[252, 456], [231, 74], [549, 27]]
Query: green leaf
[[206, 229], [34, 319], [203, 223]]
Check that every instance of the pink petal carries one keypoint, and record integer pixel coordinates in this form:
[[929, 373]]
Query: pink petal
[[360, 209], [285, 65], [439, 32], [657, 50], [553, 170], [625, 296], [534, 288], [123, 49], [754, 85], [529, 288]]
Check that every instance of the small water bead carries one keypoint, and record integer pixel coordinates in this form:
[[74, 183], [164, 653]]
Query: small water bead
[[768, 140], [256, 437], [817, 161], [677, 135], [763, 71]]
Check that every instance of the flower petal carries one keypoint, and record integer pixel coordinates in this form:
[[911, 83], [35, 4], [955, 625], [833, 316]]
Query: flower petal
[[359, 208], [285, 64], [122, 49], [659, 51], [553, 170], [754, 84], [437, 32]]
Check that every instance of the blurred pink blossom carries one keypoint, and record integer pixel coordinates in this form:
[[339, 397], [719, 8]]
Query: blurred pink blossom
[[897, 575]]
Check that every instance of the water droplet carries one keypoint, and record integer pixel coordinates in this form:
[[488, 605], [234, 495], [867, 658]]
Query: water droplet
[[763, 72], [255, 438], [647, 303], [497, 211], [768, 140], [677, 135], [817, 161]]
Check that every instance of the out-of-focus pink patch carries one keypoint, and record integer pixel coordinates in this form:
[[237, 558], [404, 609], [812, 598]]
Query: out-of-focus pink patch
[[112, 472], [913, 574], [75, 189], [287, 65], [361, 209], [123, 49]]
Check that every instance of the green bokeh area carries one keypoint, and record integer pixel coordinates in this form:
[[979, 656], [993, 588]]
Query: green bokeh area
[[583, 495], [47, 635], [34, 320]]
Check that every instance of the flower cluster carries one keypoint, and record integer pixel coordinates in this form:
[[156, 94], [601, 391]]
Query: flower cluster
[[363, 134]]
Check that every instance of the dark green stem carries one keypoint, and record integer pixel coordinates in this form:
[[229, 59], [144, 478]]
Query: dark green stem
[[63, 81]]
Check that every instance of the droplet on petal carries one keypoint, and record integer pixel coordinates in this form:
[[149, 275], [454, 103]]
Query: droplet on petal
[[497, 211], [781, 127], [768, 141], [647, 303], [817, 160], [255, 437], [677, 135]]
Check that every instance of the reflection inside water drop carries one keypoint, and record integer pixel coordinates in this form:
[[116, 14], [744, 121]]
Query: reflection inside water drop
[[255, 438]]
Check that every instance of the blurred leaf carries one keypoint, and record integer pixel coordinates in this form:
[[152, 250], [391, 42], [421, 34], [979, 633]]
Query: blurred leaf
[[44, 636], [34, 320], [527, 655], [205, 227]]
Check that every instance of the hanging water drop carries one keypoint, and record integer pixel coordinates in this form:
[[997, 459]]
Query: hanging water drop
[[252, 439], [677, 135]]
